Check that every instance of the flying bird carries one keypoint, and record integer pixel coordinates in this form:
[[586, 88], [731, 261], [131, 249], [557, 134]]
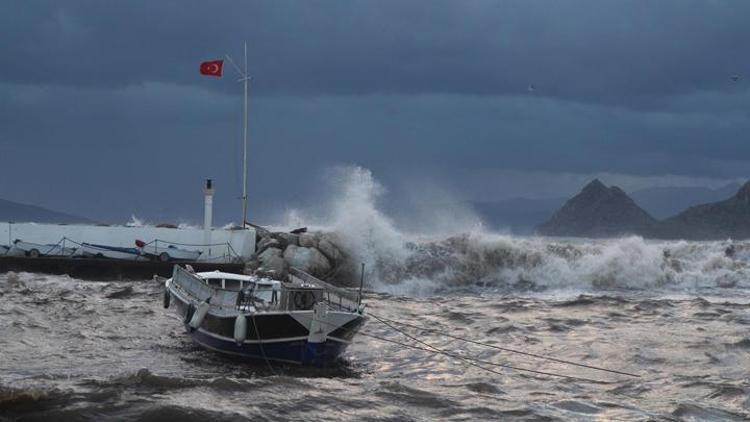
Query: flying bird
[[531, 88], [735, 78]]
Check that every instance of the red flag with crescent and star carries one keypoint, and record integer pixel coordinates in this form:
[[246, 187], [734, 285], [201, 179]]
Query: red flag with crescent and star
[[212, 68]]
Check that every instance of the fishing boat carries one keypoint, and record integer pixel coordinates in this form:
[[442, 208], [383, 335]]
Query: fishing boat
[[35, 250], [165, 252], [302, 320], [111, 252]]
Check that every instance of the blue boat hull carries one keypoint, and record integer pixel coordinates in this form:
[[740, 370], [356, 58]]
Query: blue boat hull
[[279, 338], [297, 351]]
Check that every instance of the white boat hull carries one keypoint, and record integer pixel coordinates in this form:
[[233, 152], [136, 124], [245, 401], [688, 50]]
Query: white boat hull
[[97, 252], [36, 249], [166, 253]]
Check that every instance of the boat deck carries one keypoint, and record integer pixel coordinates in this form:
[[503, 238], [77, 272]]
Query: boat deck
[[105, 269]]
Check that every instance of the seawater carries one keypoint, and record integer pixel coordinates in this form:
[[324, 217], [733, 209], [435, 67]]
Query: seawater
[[83, 350], [676, 313]]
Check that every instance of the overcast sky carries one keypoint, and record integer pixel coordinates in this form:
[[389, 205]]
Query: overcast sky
[[103, 112]]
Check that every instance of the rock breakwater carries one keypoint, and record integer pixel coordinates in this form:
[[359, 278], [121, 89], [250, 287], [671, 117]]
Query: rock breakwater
[[317, 253]]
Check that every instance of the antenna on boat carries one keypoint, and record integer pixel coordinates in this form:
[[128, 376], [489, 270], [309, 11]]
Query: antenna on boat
[[244, 150], [244, 78], [361, 284]]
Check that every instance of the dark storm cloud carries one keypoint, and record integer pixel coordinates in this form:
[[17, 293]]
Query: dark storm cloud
[[598, 51], [104, 102], [148, 147]]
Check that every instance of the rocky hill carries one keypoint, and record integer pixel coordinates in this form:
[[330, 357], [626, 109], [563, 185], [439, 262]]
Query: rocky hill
[[666, 201], [718, 220], [599, 211], [21, 213]]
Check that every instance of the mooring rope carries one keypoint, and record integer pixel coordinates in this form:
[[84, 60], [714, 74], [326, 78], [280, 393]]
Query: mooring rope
[[505, 349], [484, 362], [260, 345], [49, 247], [470, 361]]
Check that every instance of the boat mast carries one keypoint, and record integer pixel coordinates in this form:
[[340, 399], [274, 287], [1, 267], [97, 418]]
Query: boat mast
[[244, 150], [244, 78]]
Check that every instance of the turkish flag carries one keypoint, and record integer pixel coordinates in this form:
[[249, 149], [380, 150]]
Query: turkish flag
[[212, 68]]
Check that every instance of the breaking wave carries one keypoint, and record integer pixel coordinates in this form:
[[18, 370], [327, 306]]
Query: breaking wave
[[464, 255]]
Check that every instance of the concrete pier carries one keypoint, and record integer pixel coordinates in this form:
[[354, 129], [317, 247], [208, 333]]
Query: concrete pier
[[105, 269]]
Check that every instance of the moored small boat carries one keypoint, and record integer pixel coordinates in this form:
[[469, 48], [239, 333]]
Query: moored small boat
[[34, 250], [112, 252], [165, 252], [302, 321]]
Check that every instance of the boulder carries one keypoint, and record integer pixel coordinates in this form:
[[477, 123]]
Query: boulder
[[309, 260], [269, 253], [251, 266], [267, 242], [260, 232], [308, 240], [330, 251], [286, 239], [272, 264]]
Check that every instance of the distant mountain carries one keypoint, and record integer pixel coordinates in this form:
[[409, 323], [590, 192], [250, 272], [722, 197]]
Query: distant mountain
[[518, 215], [718, 220], [599, 211], [663, 202], [18, 213]]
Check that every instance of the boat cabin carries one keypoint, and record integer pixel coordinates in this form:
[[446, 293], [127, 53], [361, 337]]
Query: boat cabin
[[300, 292]]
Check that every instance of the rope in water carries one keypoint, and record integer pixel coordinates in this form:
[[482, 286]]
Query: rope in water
[[455, 356], [505, 349], [470, 361], [484, 362]]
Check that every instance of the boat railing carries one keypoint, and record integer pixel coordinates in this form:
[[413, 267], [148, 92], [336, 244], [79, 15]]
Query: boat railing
[[222, 299], [191, 284], [336, 297], [312, 290]]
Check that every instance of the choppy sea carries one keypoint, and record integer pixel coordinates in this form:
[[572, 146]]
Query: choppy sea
[[680, 319]]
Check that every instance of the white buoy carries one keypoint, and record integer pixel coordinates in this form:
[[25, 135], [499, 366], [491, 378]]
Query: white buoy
[[199, 315], [319, 326], [240, 329]]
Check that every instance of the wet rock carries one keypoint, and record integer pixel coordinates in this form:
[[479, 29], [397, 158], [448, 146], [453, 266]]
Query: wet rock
[[286, 239], [268, 242], [272, 264], [269, 253], [251, 266], [261, 232], [307, 240], [309, 260], [318, 253], [330, 250]]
